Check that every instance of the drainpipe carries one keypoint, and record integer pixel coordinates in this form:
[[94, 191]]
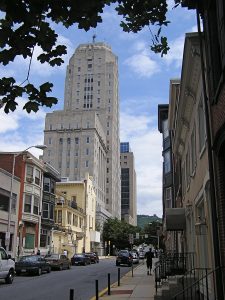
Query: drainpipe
[[216, 248]]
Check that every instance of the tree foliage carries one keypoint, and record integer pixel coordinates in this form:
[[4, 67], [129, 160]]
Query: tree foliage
[[30, 23], [117, 232]]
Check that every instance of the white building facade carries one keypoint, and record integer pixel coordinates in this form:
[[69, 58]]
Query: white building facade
[[84, 136]]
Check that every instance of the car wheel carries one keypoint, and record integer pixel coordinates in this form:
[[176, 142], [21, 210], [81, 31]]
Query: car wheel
[[10, 277], [49, 270], [85, 263], [60, 267], [39, 271]]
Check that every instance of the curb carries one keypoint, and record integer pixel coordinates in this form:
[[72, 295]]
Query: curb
[[102, 292]]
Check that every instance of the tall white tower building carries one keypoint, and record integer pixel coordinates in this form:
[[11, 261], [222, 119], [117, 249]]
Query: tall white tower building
[[84, 136]]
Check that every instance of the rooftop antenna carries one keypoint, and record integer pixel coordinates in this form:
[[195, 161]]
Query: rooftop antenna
[[93, 38]]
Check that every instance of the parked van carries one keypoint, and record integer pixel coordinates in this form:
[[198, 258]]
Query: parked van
[[7, 266]]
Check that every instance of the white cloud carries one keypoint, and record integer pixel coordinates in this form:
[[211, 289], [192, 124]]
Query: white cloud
[[146, 145], [175, 54], [142, 64], [44, 70], [12, 120]]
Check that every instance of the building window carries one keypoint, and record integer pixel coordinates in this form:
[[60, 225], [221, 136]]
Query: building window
[[107, 180], [51, 217], [77, 140], [50, 141], [107, 160], [45, 209], [168, 197], [87, 151], [89, 66], [107, 170], [107, 132], [76, 164], [109, 109], [50, 127], [76, 153], [59, 216], [107, 124], [78, 69], [193, 150], [201, 124], [68, 141], [165, 129], [167, 163], [27, 203], [69, 217], [86, 163], [37, 177], [61, 141], [29, 173], [88, 139], [36, 205], [47, 184]]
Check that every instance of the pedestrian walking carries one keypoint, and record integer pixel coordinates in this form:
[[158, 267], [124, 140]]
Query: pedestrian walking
[[149, 256]]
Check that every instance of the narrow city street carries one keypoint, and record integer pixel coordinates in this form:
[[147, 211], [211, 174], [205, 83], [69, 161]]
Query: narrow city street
[[56, 285]]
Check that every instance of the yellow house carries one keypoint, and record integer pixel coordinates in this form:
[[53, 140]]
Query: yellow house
[[74, 229]]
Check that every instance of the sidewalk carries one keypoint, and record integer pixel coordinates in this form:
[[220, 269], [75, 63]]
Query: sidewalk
[[139, 287]]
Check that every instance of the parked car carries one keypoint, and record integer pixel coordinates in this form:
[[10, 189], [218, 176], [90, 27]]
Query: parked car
[[135, 257], [58, 261], [7, 266], [80, 259], [124, 258], [93, 257], [32, 264]]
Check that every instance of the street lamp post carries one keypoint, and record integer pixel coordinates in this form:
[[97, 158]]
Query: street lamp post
[[7, 236]]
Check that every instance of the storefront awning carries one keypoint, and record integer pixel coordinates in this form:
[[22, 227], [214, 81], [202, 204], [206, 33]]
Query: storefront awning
[[175, 219]]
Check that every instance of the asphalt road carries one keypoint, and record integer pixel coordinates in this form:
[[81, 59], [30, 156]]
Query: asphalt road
[[57, 284]]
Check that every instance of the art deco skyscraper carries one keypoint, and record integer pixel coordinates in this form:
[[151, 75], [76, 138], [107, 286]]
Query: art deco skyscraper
[[84, 136]]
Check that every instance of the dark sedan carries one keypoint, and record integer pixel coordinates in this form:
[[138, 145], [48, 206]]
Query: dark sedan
[[124, 258], [58, 261], [80, 259], [32, 264]]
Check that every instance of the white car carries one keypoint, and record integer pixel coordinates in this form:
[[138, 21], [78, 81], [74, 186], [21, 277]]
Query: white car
[[135, 257], [7, 266]]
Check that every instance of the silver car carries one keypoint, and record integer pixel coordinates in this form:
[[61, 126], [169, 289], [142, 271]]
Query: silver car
[[7, 266], [135, 257]]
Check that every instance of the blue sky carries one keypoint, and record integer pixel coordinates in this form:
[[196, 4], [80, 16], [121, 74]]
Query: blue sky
[[143, 84]]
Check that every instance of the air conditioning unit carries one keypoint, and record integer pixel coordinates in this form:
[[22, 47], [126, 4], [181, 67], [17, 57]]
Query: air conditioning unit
[[29, 179]]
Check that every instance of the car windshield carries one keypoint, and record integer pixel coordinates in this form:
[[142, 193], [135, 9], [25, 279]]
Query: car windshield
[[29, 258], [125, 252], [54, 256]]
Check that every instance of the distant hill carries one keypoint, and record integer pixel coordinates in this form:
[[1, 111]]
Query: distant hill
[[143, 220]]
